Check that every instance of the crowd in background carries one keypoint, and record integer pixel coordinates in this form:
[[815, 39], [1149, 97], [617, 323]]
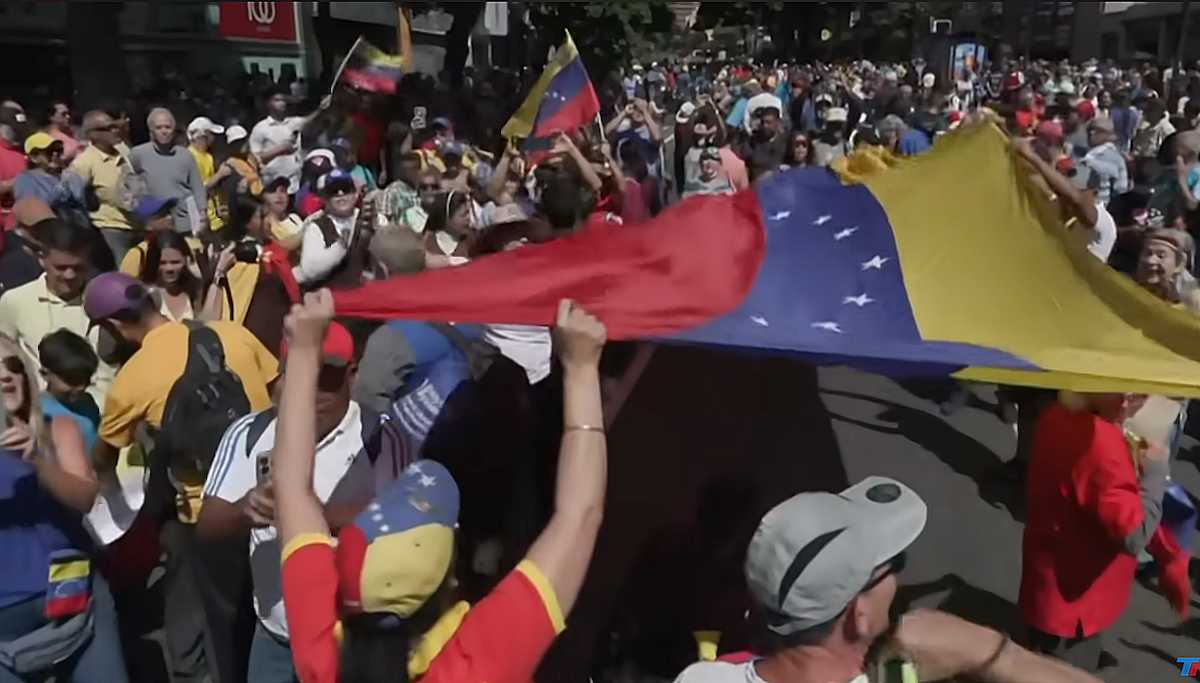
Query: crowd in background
[[165, 259]]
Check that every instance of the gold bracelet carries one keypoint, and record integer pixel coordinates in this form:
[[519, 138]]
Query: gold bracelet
[[583, 428]]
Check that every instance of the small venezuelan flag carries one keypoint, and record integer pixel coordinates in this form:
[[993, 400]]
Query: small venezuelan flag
[[69, 585], [368, 68], [562, 100]]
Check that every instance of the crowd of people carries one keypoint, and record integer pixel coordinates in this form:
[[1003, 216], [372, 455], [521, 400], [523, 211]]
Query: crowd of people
[[178, 399]]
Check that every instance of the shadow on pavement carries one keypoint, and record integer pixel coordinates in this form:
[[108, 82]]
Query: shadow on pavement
[[1188, 629], [706, 444], [1155, 652], [960, 452]]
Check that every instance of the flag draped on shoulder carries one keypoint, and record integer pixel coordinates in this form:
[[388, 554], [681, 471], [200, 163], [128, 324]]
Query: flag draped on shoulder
[[947, 263], [366, 67], [563, 99]]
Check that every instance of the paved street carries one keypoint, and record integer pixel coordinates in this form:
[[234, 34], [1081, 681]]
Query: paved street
[[710, 440], [884, 429]]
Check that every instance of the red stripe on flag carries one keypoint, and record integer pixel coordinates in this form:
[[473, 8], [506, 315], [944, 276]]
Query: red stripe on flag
[[69, 606], [579, 112], [370, 82], [693, 263]]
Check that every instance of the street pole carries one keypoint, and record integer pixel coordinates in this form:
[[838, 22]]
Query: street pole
[[1183, 29]]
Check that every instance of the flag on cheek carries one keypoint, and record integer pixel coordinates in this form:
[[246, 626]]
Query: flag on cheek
[[947, 263]]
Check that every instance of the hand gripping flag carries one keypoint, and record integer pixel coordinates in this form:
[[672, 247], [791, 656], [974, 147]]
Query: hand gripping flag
[[563, 99], [946, 263]]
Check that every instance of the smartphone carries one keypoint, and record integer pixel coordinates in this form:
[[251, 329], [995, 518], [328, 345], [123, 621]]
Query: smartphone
[[262, 468], [419, 116]]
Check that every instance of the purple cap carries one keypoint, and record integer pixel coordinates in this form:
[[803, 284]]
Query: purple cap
[[151, 207], [112, 293]]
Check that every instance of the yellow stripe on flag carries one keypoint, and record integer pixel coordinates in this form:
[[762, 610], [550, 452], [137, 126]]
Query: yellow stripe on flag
[[521, 123], [987, 261], [69, 571]]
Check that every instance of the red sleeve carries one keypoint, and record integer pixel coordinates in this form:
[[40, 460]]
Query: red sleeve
[[310, 600], [503, 638], [1107, 486]]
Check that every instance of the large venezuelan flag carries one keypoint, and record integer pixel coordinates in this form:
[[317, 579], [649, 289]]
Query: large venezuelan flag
[[947, 263]]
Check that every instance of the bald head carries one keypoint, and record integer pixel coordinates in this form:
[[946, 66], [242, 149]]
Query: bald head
[[101, 130], [162, 126]]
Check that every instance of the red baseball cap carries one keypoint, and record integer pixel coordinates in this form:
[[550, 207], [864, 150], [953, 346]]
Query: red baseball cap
[[1086, 109], [1051, 130], [337, 350]]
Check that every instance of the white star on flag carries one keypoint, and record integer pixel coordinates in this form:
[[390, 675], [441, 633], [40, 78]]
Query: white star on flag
[[781, 215], [823, 220], [759, 320], [828, 327], [875, 263], [415, 468], [845, 233], [427, 480], [860, 300]]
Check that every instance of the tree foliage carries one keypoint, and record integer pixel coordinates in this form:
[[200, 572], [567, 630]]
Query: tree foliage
[[603, 31]]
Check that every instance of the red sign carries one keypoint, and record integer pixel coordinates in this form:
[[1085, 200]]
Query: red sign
[[259, 20]]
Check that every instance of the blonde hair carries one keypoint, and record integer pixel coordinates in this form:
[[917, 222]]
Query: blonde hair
[[33, 390]]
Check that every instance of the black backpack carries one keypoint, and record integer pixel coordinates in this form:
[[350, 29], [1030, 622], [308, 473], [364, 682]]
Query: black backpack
[[204, 401]]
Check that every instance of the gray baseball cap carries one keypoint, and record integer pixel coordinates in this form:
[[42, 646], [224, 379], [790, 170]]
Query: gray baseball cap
[[813, 553]]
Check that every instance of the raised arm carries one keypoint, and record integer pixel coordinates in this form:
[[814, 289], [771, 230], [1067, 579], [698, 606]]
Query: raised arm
[[651, 121], [1075, 200], [946, 647], [563, 144], [495, 187], [297, 509], [564, 549]]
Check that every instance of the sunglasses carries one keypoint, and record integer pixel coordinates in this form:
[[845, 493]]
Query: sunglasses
[[890, 568]]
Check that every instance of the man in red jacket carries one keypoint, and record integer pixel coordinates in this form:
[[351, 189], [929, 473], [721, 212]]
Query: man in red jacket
[[1090, 514]]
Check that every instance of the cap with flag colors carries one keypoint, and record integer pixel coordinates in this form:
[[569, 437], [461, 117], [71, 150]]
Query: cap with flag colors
[[368, 68], [892, 273], [563, 99]]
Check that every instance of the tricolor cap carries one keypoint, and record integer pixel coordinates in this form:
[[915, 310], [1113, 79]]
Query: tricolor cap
[[815, 552], [397, 552]]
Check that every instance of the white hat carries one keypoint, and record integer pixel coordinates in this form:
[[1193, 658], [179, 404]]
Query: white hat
[[1066, 88], [323, 154], [235, 133], [836, 115], [203, 124], [685, 112], [928, 80]]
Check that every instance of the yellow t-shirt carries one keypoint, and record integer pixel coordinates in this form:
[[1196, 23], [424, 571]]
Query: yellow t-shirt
[[103, 173], [139, 392], [204, 161]]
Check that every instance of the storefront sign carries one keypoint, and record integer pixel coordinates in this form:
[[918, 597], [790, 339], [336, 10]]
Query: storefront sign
[[259, 20]]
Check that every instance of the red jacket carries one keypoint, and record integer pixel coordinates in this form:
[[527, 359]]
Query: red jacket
[[1083, 501]]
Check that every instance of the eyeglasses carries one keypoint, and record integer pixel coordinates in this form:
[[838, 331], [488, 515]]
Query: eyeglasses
[[890, 568]]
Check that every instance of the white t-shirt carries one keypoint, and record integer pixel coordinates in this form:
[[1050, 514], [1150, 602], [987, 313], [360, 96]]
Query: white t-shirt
[[526, 345], [269, 134], [722, 672], [234, 474], [1103, 237]]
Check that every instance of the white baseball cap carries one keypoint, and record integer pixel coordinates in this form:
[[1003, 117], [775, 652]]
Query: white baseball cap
[[203, 124], [235, 133]]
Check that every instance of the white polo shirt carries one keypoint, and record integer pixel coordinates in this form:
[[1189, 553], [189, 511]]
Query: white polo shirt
[[234, 474]]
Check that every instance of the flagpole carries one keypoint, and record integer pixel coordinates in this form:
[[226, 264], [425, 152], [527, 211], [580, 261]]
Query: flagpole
[[337, 76], [404, 38], [600, 125]]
